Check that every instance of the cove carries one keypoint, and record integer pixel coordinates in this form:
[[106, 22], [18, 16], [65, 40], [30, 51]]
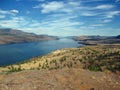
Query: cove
[[15, 53]]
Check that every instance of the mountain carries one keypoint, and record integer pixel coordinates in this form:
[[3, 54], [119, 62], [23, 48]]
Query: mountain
[[17, 36], [118, 37], [97, 40], [83, 38]]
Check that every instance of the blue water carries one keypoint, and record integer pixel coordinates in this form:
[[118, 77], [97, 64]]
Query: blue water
[[14, 53]]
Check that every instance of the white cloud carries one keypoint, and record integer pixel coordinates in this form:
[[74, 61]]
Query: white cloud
[[4, 12], [104, 6], [117, 0], [50, 25], [97, 25], [58, 6], [61, 23], [89, 14], [52, 6], [74, 3], [11, 12], [111, 14], [14, 11], [37, 0], [37, 6], [40, 0], [107, 20], [14, 22], [18, 19], [66, 16], [90, 0], [2, 16], [35, 24]]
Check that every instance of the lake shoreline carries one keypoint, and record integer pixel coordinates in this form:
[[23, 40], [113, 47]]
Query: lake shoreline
[[23, 51]]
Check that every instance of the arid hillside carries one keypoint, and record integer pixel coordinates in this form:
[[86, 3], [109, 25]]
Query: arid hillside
[[95, 58], [8, 36], [84, 68], [97, 40], [60, 79]]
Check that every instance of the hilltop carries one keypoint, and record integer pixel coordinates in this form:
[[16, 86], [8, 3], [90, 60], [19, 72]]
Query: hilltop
[[60, 79], [83, 68], [8, 36]]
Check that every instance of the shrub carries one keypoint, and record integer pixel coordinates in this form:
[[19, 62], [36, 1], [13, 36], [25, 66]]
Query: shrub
[[94, 68], [14, 69], [63, 59]]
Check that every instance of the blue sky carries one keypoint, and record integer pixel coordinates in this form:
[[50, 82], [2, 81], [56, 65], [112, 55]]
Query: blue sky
[[62, 17]]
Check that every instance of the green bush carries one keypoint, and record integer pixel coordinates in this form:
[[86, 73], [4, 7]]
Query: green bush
[[14, 69], [94, 68]]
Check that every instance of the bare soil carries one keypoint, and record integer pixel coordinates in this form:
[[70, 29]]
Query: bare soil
[[60, 79]]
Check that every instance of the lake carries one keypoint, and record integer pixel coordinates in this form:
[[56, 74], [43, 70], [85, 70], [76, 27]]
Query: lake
[[14, 53]]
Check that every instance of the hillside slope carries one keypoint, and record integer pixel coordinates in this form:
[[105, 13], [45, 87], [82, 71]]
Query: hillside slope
[[95, 58], [16, 36], [66, 69], [60, 79]]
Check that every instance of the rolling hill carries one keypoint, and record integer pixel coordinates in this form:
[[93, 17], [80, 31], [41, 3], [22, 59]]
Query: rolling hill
[[84, 68], [8, 36], [97, 40]]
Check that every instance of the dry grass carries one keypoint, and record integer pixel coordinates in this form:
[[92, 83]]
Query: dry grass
[[96, 58], [66, 69], [60, 79]]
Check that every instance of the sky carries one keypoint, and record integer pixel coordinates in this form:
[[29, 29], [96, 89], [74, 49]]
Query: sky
[[62, 17]]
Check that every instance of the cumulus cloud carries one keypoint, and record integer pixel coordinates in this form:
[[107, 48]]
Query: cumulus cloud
[[62, 16], [52, 6], [58, 6], [14, 11]]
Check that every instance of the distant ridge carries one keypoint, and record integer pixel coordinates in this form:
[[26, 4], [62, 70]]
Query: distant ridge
[[97, 40], [8, 35], [118, 37]]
